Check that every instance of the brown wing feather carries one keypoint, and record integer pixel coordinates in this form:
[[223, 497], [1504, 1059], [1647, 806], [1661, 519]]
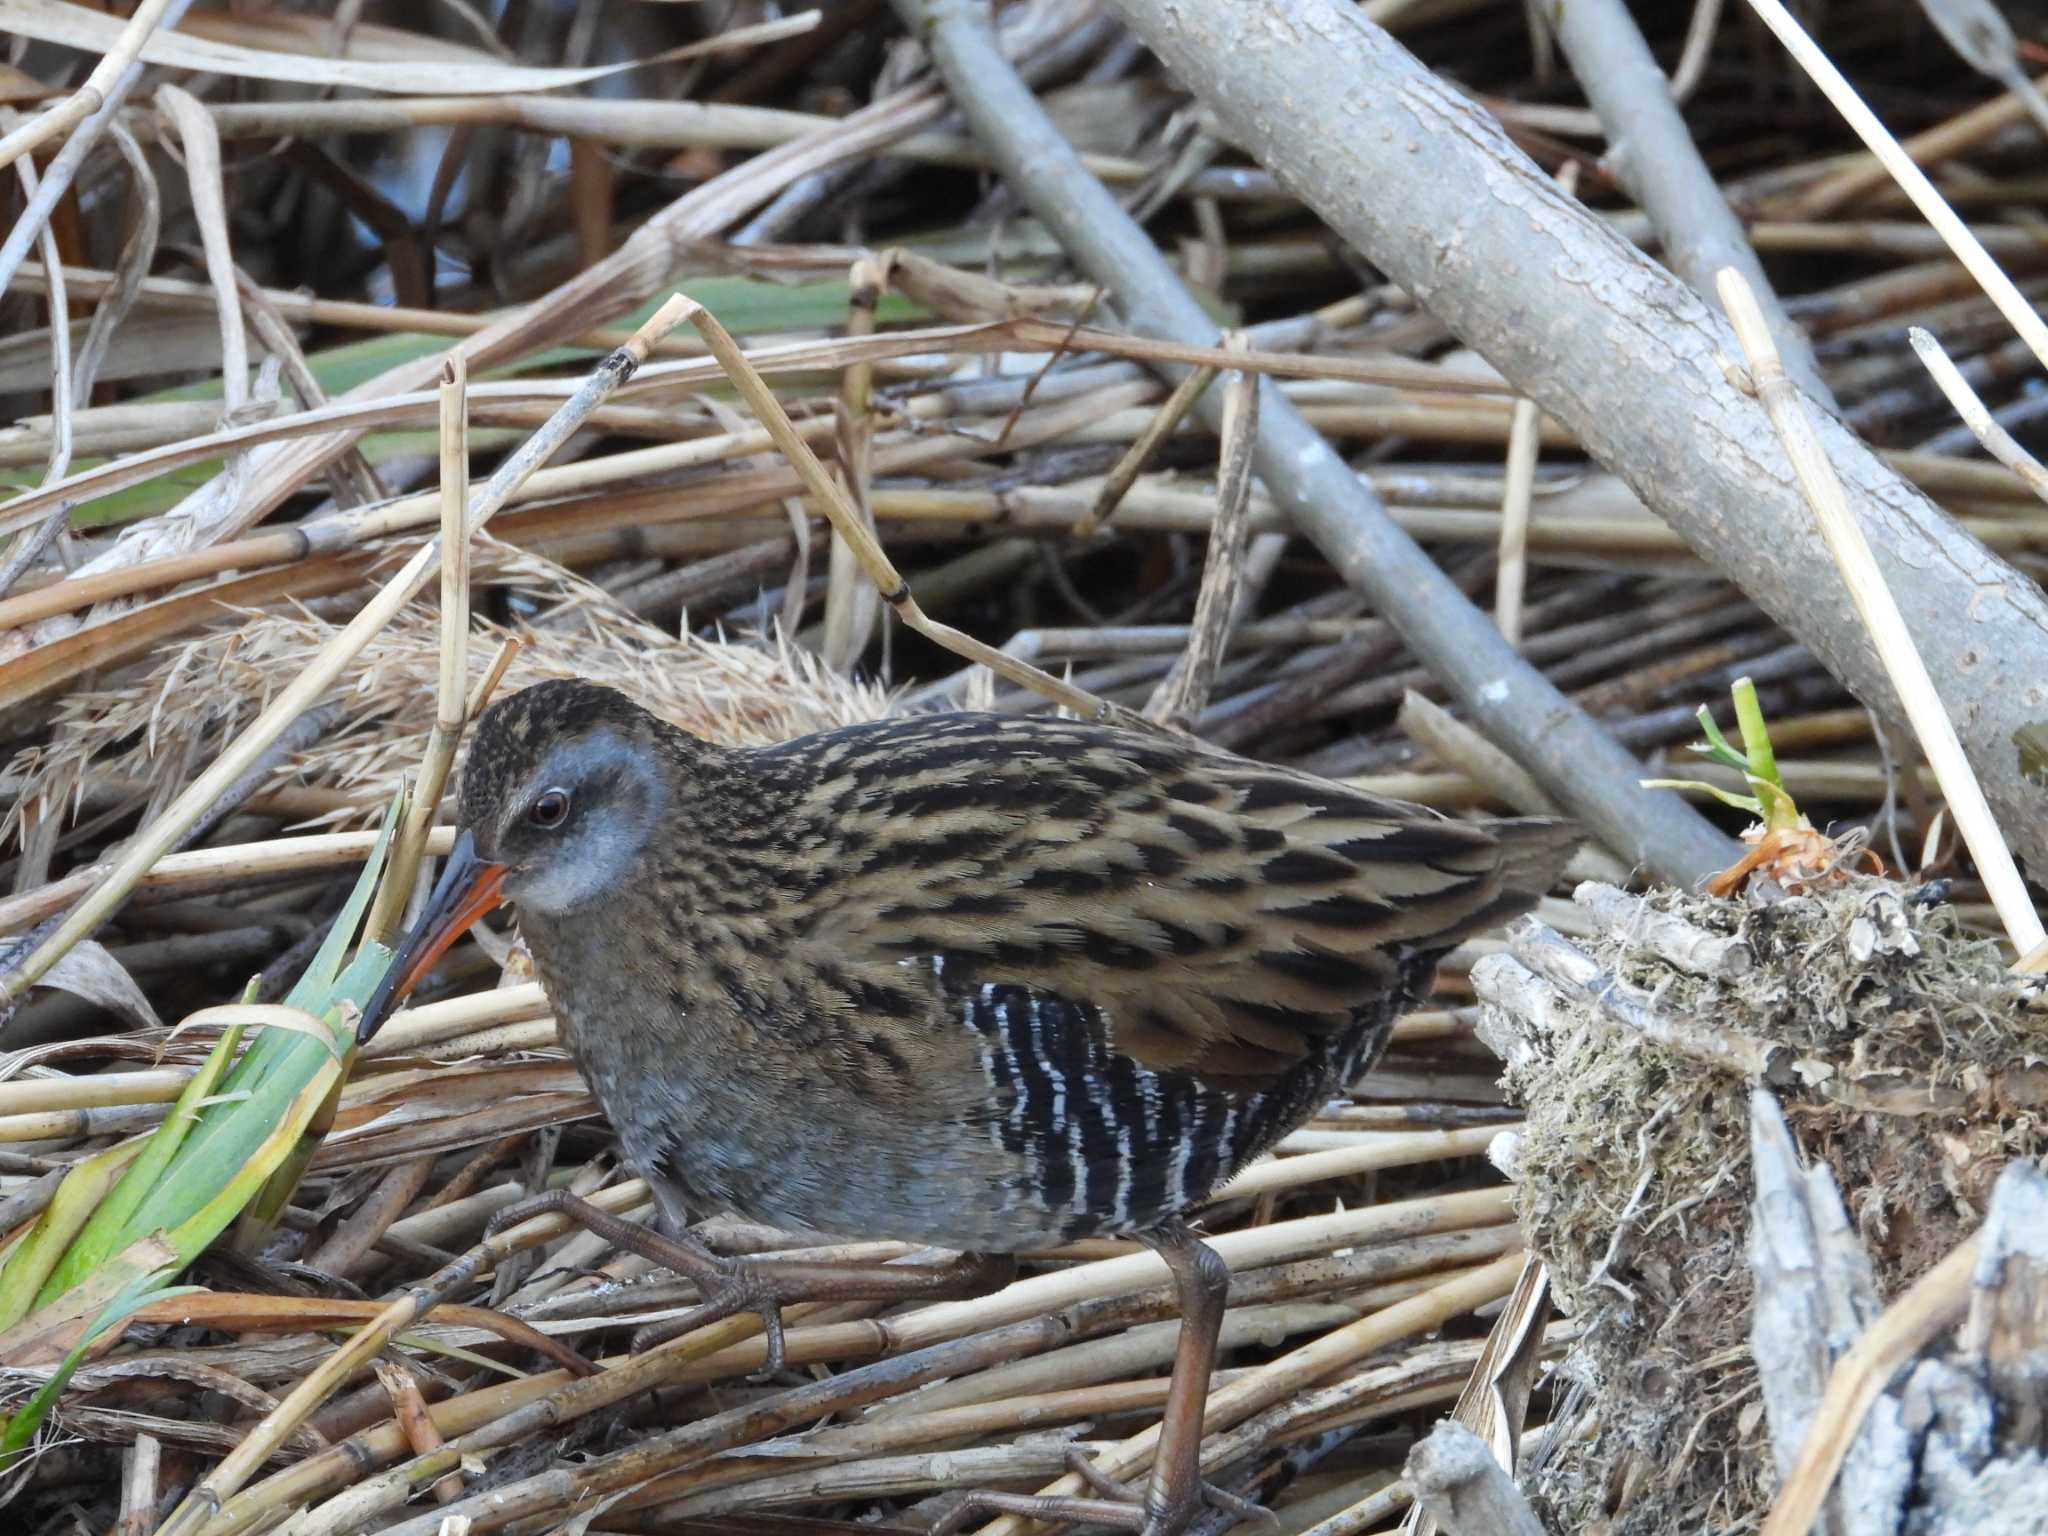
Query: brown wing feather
[[1223, 914]]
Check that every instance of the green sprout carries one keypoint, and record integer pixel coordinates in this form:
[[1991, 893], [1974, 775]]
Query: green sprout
[[1768, 800]]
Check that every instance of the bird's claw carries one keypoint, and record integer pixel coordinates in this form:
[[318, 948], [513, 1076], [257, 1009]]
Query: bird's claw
[[735, 1287], [1176, 1510]]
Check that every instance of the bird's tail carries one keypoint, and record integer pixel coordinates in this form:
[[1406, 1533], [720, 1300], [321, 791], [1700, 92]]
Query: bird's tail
[[1534, 852]]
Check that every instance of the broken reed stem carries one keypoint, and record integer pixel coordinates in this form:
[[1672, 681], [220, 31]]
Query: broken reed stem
[[1881, 617], [450, 707], [1523, 440], [1997, 442], [1125, 475], [847, 524], [204, 1502], [851, 608], [297, 696], [1933, 1302], [2019, 314], [494, 674], [1301, 1367], [92, 95], [1184, 692]]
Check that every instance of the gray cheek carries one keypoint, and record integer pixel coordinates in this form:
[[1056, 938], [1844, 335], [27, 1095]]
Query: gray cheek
[[593, 861]]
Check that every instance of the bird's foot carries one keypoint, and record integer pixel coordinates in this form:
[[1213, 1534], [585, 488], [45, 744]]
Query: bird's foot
[[728, 1285], [1167, 1511], [1151, 1512], [731, 1286], [765, 1286]]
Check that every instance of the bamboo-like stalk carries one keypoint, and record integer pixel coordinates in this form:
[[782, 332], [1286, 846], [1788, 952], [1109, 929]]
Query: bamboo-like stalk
[[204, 1501], [836, 352], [1881, 617], [1301, 1367], [202, 866], [450, 711], [158, 838], [725, 1350], [1998, 442], [2019, 314]]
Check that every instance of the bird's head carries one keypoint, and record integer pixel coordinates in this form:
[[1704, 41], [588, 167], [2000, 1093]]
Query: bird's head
[[562, 792]]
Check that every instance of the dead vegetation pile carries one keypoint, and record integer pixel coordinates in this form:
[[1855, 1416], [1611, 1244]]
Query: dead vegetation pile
[[163, 722], [1910, 1063]]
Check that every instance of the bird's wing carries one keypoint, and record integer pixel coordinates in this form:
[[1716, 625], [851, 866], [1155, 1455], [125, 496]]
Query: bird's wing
[[1220, 915]]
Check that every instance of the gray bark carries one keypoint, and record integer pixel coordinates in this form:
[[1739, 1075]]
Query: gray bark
[[1460, 1486], [1815, 1292], [1428, 187], [1649, 148]]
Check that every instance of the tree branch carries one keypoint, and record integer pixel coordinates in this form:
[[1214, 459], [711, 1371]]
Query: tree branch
[[1509, 700]]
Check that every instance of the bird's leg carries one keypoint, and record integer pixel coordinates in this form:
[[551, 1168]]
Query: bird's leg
[[761, 1286], [1201, 1284]]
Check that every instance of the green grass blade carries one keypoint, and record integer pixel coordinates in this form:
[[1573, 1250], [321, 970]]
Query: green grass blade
[[190, 1236], [101, 1235], [37, 1255]]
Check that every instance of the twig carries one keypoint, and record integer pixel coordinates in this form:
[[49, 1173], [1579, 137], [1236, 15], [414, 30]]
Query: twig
[[1877, 138], [1459, 1484], [1933, 1302], [1580, 977], [1184, 692], [1164, 421], [1651, 150], [846, 523], [1456, 745], [1549, 298], [1998, 442], [1881, 617], [162, 834]]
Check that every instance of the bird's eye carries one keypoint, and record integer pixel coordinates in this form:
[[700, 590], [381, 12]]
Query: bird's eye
[[550, 808]]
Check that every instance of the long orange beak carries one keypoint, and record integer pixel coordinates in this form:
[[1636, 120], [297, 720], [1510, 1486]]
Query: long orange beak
[[467, 889]]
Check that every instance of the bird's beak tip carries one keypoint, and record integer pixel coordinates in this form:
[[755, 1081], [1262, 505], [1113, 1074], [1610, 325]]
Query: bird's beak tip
[[468, 888]]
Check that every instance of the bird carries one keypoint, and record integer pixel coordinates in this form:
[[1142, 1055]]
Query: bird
[[985, 982]]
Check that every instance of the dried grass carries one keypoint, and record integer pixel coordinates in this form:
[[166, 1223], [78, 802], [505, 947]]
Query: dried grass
[[195, 695]]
